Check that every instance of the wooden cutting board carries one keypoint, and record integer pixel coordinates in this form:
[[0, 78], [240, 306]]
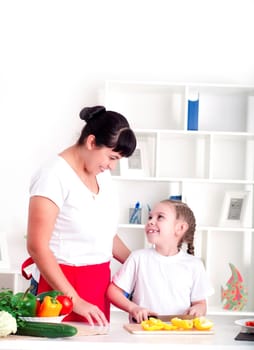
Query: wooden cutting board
[[137, 329], [83, 330]]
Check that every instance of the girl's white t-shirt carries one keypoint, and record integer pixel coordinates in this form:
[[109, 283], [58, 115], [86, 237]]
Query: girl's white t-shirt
[[163, 284], [86, 224]]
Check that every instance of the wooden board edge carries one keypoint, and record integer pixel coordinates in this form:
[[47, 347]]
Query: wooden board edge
[[131, 329]]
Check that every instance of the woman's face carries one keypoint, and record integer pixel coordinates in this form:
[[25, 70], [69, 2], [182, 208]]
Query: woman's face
[[101, 159], [98, 159]]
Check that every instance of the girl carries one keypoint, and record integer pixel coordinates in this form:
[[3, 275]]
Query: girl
[[164, 279]]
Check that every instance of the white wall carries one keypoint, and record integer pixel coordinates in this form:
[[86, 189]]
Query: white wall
[[56, 54]]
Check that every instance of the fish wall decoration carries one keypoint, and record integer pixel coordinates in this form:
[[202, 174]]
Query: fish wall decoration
[[235, 296]]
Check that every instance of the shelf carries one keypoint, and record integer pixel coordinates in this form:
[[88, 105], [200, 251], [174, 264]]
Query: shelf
[[164, 105], [198, 228], [199, 155], [12, 278], [196, 133], [203, 165], [222, 312], [161, 100], [183, 179]]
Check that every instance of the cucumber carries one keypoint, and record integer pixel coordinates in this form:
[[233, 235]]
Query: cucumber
[[46, 329]]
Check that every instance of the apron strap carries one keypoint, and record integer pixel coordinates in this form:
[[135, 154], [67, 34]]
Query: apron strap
[[26, 268]]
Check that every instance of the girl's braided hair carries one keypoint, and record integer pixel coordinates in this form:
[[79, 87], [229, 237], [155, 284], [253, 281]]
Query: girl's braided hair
[[184, 212]]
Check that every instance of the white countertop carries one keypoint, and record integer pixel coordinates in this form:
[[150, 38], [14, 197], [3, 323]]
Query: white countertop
[[225, 331]]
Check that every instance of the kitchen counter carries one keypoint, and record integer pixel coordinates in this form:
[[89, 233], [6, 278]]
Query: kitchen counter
[[117, 337]]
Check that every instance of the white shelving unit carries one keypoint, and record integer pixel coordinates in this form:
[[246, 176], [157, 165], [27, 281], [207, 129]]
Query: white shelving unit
[[203, 165], [12, 279]]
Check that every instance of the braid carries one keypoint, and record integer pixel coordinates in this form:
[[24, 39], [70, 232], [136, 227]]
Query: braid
[[184, 212]]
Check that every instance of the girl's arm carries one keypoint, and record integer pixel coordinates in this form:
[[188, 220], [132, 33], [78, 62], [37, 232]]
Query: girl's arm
[[41, 220]]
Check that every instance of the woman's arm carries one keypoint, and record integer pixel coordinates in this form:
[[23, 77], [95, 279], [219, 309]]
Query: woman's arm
[[120, 250], [41, 220]]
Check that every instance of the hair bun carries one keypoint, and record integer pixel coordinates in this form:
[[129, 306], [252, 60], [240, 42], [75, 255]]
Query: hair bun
[[88, 113]]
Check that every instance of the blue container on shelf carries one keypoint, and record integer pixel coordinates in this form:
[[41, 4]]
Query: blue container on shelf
[[176, 198], [193, 107], [135, 214]]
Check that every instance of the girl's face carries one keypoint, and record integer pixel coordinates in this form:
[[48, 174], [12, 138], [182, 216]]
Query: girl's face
[[163, 229]]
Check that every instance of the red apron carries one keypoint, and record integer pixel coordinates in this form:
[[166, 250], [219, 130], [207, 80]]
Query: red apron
[[90, 282]]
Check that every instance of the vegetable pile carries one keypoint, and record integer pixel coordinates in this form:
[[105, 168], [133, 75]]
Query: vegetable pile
[[155, 324], [52, 304], [49, 304]]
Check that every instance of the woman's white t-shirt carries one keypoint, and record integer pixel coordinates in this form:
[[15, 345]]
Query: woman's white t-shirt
[[86, 224], [163, 284]]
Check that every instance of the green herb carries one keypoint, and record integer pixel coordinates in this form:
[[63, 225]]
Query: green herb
[[8, 302]]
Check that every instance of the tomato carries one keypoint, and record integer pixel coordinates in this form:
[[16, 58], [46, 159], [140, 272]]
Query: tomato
[[67, 304], [249, 323]]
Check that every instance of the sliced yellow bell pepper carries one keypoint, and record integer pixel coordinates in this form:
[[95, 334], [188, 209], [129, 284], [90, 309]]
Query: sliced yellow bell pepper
[[202, 323], [182, 324], [155, 324], [169, 327], [152, 324]]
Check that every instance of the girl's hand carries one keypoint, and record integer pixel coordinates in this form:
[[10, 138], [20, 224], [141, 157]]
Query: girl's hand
[[197, 309], [90, 311], [139, 314]]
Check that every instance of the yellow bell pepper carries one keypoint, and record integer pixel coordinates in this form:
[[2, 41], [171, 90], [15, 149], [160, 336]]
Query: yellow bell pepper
[[182, 324], [152, 324], [202, 323], [155, 324], [169, 327], [50, 307]]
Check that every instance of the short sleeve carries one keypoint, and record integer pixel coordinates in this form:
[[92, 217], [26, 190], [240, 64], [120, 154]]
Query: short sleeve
[[124, 278], [201, 286], [46, 183]]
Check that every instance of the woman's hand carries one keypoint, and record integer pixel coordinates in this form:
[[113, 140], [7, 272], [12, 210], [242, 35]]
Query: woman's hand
[[90, 311]]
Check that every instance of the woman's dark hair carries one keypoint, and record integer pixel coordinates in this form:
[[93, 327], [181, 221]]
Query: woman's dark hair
[[184, 212], [111, 129]]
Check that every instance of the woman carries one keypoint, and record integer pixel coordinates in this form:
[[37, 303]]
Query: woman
[[72, 219]]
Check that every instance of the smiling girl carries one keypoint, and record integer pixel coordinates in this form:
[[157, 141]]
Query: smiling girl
[[165, 279]]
